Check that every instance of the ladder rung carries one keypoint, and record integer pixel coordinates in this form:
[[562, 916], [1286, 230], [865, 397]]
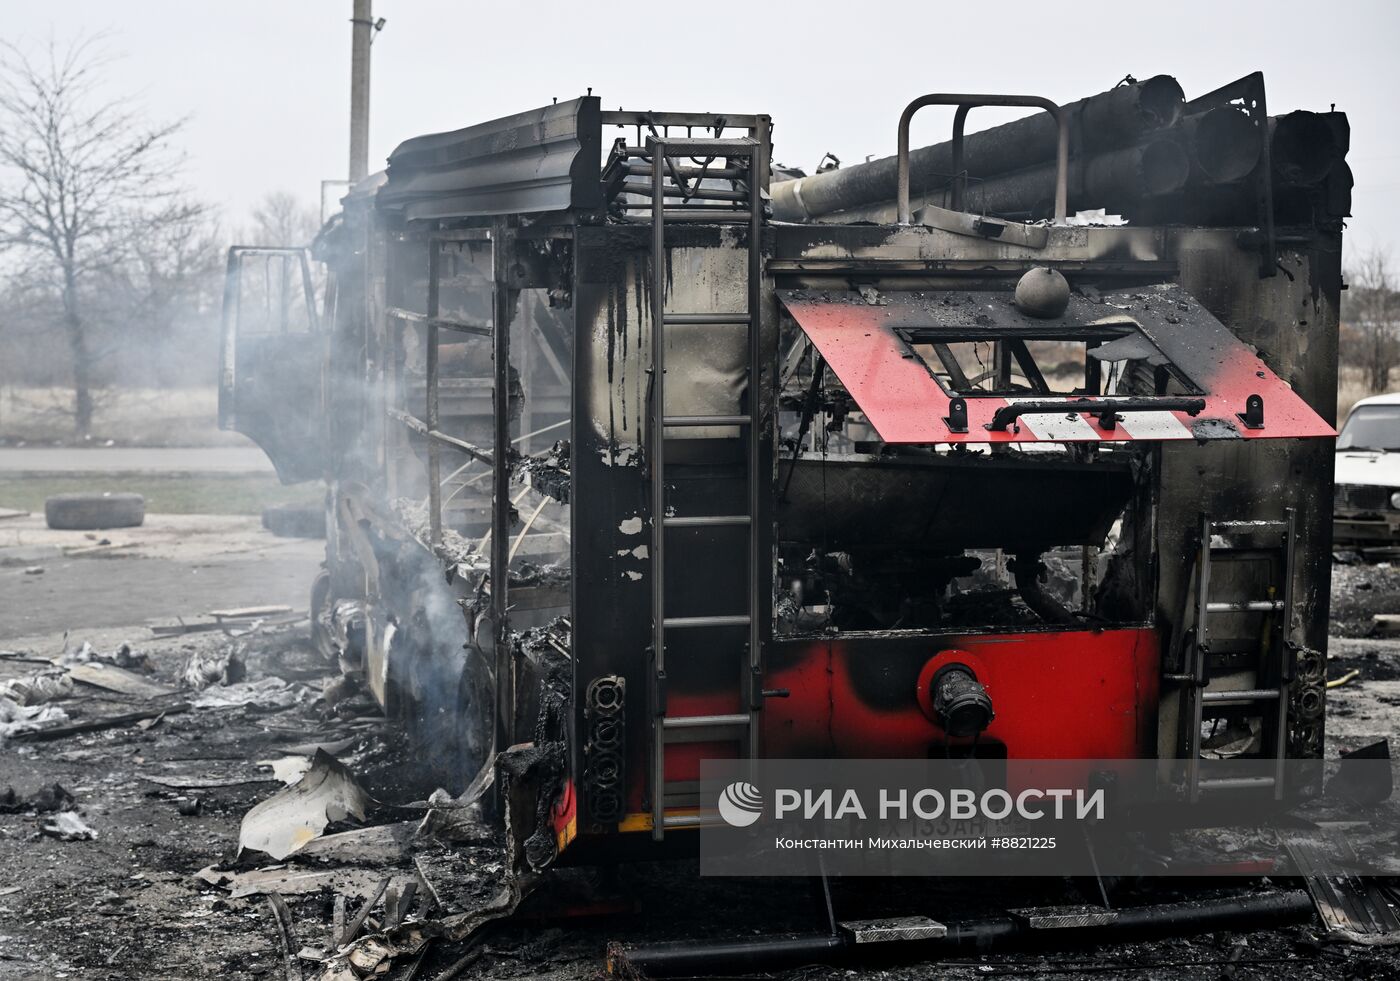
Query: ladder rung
[[1228, 554], [1241, 695], [681, 821], [682, 319], [705, 728], [743, 146], [687, 170], [703, 721], [708, 216], [1245, 606], [679, 623], [1234, 783], [707, 521], [696, 422]]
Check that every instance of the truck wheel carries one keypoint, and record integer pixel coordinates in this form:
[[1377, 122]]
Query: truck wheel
[[321, 636], [90, 512], [295, 520]]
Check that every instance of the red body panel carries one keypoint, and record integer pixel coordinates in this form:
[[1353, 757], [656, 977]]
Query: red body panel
[[1077, 694]]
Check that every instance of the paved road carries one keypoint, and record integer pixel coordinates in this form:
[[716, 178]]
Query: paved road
[[88, 593], [134, 459], [173, 565]]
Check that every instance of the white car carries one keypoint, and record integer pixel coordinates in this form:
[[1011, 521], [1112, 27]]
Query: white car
[[1366, 498]]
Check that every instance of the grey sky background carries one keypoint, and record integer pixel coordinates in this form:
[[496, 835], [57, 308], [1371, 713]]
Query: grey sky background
[[265, 83]]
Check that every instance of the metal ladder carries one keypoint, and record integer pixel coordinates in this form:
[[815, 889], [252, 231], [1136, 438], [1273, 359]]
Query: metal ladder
[[743, 727], [1274, 663]]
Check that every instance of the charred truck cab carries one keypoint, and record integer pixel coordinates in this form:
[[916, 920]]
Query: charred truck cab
[[638, 456]]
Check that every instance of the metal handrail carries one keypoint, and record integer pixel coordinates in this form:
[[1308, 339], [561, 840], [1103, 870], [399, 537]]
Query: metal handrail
[[964, 104]]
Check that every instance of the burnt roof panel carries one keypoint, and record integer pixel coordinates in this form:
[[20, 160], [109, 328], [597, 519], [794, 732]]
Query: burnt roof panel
[[532, 162]]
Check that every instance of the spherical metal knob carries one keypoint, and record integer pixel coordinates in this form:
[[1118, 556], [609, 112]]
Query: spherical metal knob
[[1042, 292]]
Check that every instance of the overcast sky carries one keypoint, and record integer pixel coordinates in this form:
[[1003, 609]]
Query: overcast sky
[[265, 83]]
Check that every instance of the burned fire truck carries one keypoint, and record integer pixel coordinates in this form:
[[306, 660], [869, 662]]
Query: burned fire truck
[[641, 450]]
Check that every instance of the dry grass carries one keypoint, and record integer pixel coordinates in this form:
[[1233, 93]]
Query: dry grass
[[1351, 388], [127, 417], [183, 493]]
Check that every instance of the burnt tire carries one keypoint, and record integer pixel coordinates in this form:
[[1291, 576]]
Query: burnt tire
[[92, 512], [295, 520]]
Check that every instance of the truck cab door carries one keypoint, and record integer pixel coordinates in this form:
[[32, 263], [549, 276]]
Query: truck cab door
[[273, 363]]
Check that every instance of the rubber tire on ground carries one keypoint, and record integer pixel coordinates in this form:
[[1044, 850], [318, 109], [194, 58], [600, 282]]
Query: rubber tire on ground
[[91, 512], [295, 520]]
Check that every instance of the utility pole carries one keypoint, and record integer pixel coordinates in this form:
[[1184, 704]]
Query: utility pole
[[362, 33]]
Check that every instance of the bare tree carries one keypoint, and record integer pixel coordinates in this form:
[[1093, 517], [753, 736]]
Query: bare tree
[[283, 219], [1373, 308], [83, 180]]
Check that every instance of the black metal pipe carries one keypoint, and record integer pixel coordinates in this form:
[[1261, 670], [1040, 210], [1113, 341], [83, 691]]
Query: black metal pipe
[[1116, 180], [1112, 119], [1225, 145], [1027, 570], [790, 949], [1302, 147]]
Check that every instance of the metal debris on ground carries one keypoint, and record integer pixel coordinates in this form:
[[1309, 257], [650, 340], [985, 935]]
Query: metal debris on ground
[[287, 769], [223, 666], [1385, 624], [283, 917], [333, 746], [94, 725], [352, 928], [205, 781], [263, 693], [239, 623], [122, 657], [37, 689], [112, 671], [17, 721], [1353, 909], [67, 826], [294, 816], [123, 681], [380, 844], [48, 798], [358, 883], [375, 953], [235, 623]]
